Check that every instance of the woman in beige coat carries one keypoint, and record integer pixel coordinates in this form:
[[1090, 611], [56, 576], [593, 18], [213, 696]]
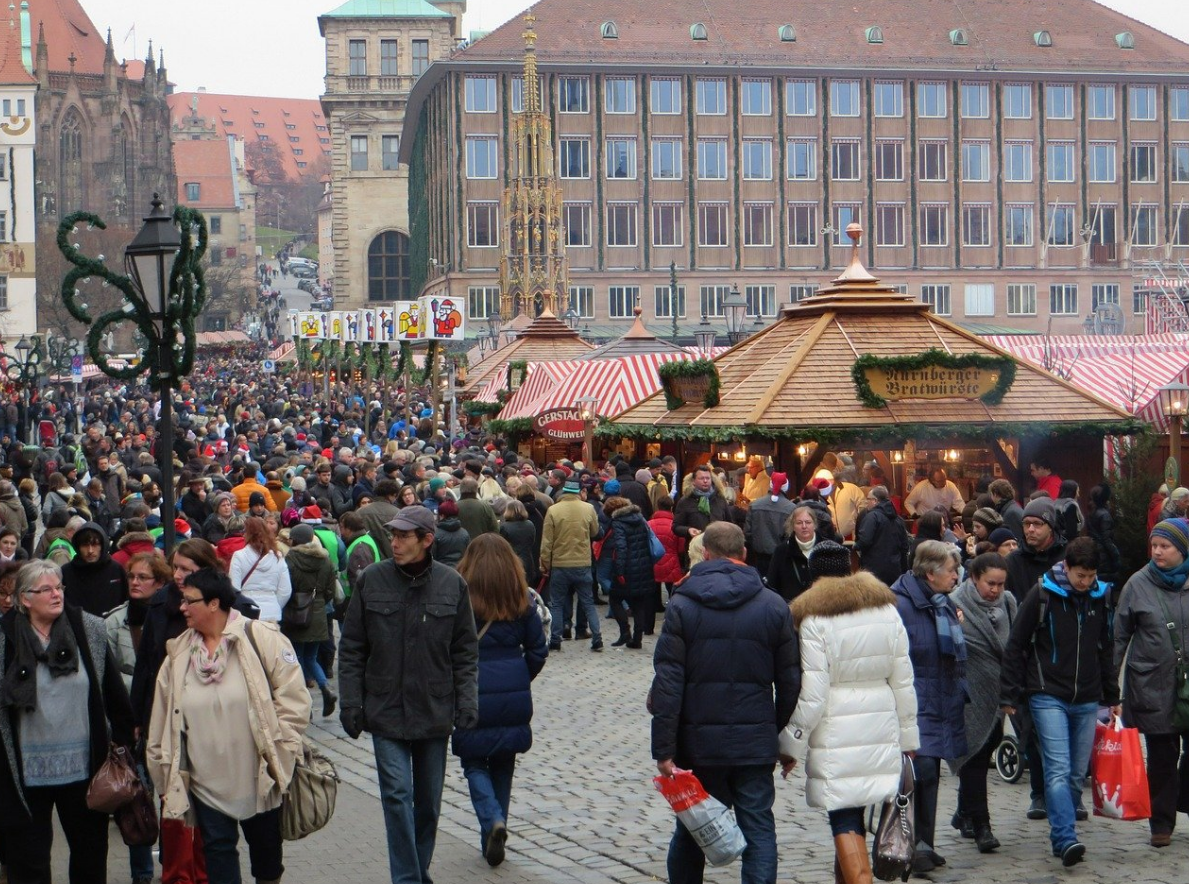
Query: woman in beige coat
[[228, 716]]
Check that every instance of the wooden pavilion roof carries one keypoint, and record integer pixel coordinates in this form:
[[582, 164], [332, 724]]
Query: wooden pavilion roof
[[545, 339], [797, 373]]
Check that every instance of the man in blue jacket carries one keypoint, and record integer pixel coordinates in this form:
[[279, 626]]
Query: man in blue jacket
[[727, 677]]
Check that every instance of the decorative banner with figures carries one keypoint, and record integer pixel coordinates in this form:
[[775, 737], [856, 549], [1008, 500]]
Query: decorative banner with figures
[[334, 328], [443, 319], [408, 320], [310, 326], [367, 325]]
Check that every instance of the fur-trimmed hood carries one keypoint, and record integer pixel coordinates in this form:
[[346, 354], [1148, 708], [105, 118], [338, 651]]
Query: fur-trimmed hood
[[834, 596]]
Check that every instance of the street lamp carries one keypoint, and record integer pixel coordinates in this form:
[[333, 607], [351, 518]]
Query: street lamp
[[735, 306], [588, 408], [570, 318], [493, 325], [704, 335], [1174, 402], [24, 371], [149, 260]]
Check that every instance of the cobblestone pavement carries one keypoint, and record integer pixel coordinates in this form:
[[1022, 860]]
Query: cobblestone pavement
[[583, 808]]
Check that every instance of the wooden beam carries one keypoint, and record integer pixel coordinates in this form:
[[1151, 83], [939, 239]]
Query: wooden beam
[[769, 395]]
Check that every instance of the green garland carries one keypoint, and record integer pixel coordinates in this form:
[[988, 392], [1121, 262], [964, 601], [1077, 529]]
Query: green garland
[[870, 435], [403, 356], [517, 426], [1005, 365], [431, 355], [520, 365], [689, 368], [481, 408], [187, 297]]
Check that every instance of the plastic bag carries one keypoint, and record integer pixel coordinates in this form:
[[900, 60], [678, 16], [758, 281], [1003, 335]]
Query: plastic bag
[[1120, 778], [708, 820]]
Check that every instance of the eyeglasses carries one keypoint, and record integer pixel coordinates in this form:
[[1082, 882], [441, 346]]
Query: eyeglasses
[[55, 588], [186, 600]]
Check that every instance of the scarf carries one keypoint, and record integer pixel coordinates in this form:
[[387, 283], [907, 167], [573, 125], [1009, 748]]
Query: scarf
[[1173, 578], [207, 666], [950, 639], [995, 612], [19, 689], [704, 501], [806, 546]]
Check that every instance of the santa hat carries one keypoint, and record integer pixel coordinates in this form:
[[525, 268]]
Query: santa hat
[[181, 526], [312, 513], [780, 484]]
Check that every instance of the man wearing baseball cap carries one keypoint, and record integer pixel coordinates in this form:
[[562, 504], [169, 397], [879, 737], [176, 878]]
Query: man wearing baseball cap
[[408, 673]]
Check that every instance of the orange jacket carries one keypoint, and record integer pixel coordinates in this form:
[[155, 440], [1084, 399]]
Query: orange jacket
[[244, 490]]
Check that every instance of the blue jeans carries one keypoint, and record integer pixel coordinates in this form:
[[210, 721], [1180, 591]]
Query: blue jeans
[[220, 835], [307, 654], [490, 782], [411, 774], [749, 789], [1065, 732], [561, 580]]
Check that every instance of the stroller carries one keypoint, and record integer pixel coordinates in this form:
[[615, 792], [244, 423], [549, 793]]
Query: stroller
[[1010, 759]]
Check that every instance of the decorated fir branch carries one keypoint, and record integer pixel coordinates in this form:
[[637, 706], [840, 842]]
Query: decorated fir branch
[[519, 365], [672, 373], [476, 409], [186, 297], [1005, 367]]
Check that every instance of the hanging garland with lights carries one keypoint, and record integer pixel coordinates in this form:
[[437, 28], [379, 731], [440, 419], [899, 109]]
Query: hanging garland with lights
[[431, 354], [305, 355], [186, 288]]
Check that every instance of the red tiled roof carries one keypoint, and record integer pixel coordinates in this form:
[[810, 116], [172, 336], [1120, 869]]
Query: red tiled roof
[[68, 30], [833, 35], [250, 117], [207, 163], [12, 69], [135, 69]]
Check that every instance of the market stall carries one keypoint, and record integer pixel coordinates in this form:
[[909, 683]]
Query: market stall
[[864, 370]]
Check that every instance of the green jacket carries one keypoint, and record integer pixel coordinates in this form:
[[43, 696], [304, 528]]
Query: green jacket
[[310, 571]]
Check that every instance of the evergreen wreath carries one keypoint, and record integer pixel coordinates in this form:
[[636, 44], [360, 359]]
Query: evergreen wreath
[[1005, 365], [689, 368]]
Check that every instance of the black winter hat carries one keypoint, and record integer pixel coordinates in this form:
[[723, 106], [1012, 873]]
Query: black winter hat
[[829, 559]]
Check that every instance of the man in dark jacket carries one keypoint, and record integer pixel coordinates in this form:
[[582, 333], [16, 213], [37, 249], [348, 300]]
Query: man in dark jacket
[[633, 490], [700, 507], [1059, 662], [881, 539], [1003, 497], [341, 499], [408, 673], [91, 580], [1042, 548], [719, 701], [764, 526], [476, 515]]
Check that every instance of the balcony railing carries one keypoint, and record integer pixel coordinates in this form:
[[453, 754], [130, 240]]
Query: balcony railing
[[338, 84]]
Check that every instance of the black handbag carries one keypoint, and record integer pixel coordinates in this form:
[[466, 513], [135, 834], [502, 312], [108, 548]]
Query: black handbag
[[1180, 705], [298, 610], [895, 836]]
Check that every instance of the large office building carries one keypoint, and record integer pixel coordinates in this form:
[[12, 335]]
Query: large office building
[[1015, 164]]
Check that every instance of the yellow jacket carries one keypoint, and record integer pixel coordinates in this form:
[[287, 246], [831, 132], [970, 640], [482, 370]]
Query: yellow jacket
[[570, 525]]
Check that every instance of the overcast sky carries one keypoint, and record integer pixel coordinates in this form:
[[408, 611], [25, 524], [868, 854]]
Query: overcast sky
[[272, 47]]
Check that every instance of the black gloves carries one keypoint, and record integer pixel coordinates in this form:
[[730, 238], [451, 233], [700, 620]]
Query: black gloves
[[466, 720], [352, 720]]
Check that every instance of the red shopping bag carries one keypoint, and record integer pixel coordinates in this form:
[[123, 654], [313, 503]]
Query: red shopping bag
[[1120, 778]]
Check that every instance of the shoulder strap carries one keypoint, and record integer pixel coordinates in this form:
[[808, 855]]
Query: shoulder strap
[[259, 559], [250, 632], [483, 632], [1170, 623]]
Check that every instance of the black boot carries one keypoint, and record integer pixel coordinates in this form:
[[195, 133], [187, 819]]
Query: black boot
[[984, 838], [622, 640], [328, 701], [963, 824]]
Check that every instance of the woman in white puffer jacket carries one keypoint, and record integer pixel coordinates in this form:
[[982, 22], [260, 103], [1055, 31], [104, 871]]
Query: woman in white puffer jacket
[[259, 570], [856, 713]]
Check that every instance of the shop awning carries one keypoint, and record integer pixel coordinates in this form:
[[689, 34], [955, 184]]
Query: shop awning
[[1125, 370], [540, 379], [284, 352], [221, 338]]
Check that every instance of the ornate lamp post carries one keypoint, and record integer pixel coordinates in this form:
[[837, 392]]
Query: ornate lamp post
[[24, 370], [735, 306], [704, 336], [164, 291], [588, 408], [570, 317], [1174, 402]]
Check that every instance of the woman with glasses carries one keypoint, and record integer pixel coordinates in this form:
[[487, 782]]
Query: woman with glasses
[[54, 726], [229, 711]]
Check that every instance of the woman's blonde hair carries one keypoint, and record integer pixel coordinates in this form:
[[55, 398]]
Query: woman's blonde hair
[[495, 577]]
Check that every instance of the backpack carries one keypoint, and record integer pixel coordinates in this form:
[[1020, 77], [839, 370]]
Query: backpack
[[297, 611]]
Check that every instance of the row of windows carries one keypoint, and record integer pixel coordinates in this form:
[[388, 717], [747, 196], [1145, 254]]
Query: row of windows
[[357, 58], [667, 304], [1021, 298], [389, 153], [756, 98], [713, 224], [845, 162], [978, 299]]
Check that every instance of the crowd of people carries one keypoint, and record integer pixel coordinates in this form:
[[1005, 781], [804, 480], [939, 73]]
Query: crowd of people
[[346, 553]]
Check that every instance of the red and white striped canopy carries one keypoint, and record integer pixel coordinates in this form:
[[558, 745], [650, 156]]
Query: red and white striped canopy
[[1125, 370], [540, 377]]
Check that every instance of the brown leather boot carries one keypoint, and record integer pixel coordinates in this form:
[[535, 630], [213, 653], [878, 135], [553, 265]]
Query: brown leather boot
[[851, 851], [838, 879]]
